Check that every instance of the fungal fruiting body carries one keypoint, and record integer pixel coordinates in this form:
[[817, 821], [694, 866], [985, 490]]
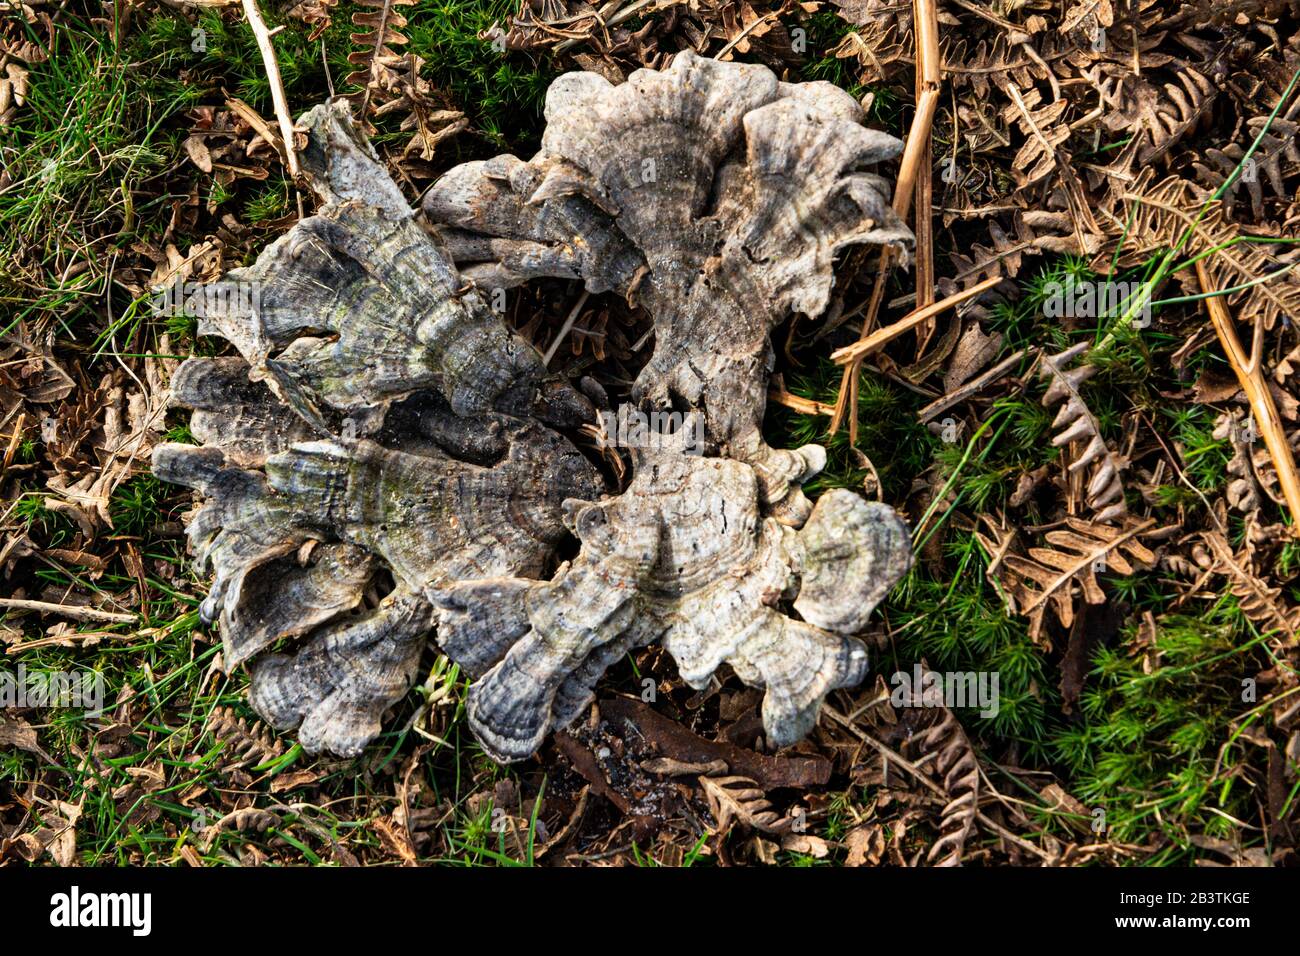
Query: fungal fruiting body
[[386, 463]]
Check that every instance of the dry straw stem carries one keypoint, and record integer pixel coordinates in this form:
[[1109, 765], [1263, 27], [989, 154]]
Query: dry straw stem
[[263, 36], [804, 406], [860, 349], [1250, 373], [916, 152], [73, 611], [928, 79]]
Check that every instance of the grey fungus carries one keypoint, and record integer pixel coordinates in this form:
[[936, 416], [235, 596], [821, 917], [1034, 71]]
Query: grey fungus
[[385, 463]]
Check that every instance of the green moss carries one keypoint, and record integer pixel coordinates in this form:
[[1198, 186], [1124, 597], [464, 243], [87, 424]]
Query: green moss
[[501, 91], [888, 431]]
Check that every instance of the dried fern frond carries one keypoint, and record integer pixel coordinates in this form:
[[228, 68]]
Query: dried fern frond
[[1043, 131], [1156, 116], [1265, 471], [390, 80], [243, 820], [1262, 604], [952, 762], [1166, 209], [1276, 161], [878, 47], [317, 14], [993, 64], [378, 62], [247, 745], [1059, 575], [740, 798], [1104, 493], [1243, 491]]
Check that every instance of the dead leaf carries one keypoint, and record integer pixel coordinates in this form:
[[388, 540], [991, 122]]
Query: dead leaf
[[16, 732]]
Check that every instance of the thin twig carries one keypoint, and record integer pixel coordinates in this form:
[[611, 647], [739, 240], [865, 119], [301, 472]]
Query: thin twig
[[804, 406], [860, 349], [963, 392], [281, 103], [565, 329], [72, 611]]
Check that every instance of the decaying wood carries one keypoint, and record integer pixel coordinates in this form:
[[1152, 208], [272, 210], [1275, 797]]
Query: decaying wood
[[384, 458]]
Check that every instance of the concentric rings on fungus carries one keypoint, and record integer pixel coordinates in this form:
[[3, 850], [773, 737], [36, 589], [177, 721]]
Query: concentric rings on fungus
[[385, 463]]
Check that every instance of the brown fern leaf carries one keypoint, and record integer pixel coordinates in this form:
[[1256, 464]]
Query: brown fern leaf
[[1262, 604], [1276, 147], [954, 765], [740, 798], [1059, 575], [1237, 428], [1104, 493], [242, 820], [378, 63], [877, 48], [317, 14], [1213, 167], [391, 84], [71, 426], [882, 39], [1042, 132], [993, 64], [250, 745], [1004, 258], [1276, 160], [1166, 209], [1157, 116], [1265, 471]]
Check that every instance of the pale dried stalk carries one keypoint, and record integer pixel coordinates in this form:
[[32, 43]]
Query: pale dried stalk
[[565, 329], [915, 150], [1250, 373], [72, 611], [860, 349], [929, 74], [281, 103], [923, 229], [804, 406]]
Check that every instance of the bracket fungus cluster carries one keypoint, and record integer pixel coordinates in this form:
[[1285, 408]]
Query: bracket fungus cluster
[[385, 463]]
